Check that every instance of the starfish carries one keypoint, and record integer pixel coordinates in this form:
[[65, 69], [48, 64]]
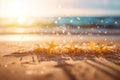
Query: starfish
[[92, 45], [101, 46], [37, 48], [51, 45], [69, 47]]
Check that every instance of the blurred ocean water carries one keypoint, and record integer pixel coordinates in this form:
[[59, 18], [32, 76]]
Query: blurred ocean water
[[110, 22], [68, 25]]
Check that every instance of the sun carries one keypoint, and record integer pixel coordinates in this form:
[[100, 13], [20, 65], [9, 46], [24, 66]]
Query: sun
[[28, 8], [21, 20]]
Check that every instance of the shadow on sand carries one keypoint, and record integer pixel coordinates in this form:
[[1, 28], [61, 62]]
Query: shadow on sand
[[96, 61]]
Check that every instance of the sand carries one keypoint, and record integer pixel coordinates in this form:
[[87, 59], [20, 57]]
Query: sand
[[59, 67]]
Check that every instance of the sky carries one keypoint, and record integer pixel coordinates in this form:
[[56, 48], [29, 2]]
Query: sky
[[38, 8]]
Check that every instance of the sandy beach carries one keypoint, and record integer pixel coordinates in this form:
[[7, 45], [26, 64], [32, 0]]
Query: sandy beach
[[58, 66]]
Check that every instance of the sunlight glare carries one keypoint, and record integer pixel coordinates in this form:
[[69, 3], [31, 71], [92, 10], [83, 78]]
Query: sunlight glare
[[21, 8], [21, 20], [16, 9]]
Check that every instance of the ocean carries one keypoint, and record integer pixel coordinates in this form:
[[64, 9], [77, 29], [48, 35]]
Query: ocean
[[64, 26]]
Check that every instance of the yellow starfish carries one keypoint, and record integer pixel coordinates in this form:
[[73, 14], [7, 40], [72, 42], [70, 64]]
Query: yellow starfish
[[92, 45], [69, 47], [101, 47], [51, 45], [37, 48]]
